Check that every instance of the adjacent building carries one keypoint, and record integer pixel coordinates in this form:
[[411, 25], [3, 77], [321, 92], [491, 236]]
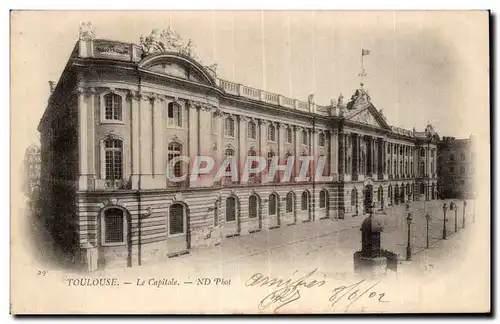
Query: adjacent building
[[120, 112], [456, 167], [32, 170]]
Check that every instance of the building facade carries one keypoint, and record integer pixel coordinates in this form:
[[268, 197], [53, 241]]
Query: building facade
[[120, 112], [456, 167], [31, 170]]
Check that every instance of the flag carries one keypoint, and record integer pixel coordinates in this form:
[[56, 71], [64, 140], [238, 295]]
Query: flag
[[365, 52]]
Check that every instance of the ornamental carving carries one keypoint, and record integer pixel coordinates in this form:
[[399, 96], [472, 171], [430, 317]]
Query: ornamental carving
[[170, 41], [86, 31], [365, 118]]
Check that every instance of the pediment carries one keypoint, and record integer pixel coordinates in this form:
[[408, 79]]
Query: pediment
[[178, 66], [368, 116]]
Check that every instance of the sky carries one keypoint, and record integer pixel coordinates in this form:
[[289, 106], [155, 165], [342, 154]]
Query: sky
[[423, 67]]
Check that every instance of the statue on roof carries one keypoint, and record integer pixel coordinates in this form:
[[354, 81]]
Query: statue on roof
[[86, 31], [341, 100]]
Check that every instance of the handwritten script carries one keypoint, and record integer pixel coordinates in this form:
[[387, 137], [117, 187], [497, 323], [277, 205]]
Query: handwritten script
[[286, 291]]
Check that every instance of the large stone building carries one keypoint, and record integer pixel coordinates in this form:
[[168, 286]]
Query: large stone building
[[121, 111], [456, 167]]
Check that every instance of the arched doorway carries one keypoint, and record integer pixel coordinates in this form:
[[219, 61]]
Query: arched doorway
[[380, 196], [408, 193], [389, 194], [254, 212], [273, 211], [368, 201], [324, 204], [232, 220], [305, 206], [396, 194], [177, 228], [402, 193], [290, 210]]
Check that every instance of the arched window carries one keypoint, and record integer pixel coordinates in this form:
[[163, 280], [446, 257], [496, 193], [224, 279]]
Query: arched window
[[230, 209], [321, 139], [395, 168], [322, 198], [462, 156], [253, 202], [271, 133], [406, 167], [422, 189], [113, 149], [389, 191], [229, 153], [176, 219], [289, 135], [353, 197], [252, 130], [304, 137], [380, 193], [408, 189], [114, 226], [273, 206], [174, 114], [175, 150], [289, 202], [305, 201], [422, 152], [452, 157], [229, 127], [401, 167], [113, 107], [216, 213]]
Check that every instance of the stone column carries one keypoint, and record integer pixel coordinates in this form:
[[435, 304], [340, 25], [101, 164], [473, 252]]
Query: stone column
[[146, 135], [334, 155], [159, 172], [374, 157], [263, 148], [91, 139], [82, 140], [313, 142], [242, 144], [135, 98], [297, 153], [341, 163]]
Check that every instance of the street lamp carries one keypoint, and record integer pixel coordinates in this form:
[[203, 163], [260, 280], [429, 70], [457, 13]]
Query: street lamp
[[427, 218], [444, 221], [408, 247], [463, 214], [455, 209]]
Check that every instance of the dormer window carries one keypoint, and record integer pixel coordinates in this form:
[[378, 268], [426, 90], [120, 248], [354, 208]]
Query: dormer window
[[174, 112]]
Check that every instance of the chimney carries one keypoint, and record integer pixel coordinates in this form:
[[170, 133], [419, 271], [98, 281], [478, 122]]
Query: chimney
[[52, 85]]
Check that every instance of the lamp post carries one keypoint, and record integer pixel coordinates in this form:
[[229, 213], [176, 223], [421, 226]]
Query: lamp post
[[408, 221], [463, 214], [444, 221], [455, 209], [427, 218]]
